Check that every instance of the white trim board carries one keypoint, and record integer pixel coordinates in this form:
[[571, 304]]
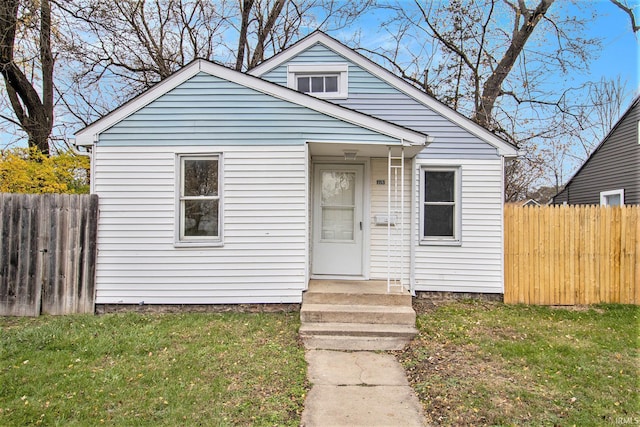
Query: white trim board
[[503, 147], [90, 134]]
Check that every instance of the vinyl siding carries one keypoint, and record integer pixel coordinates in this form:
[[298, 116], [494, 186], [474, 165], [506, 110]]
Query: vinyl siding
[[475, 265], [265, 166], [450, 141], [614, 165], [262, 139], [378, 240], [263, 259], [360, 81], [373, 96], [206, 110]]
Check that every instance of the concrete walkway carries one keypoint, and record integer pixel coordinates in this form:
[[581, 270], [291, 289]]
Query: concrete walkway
[[358, 389]]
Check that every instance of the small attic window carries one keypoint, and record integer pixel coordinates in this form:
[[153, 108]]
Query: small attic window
[[320, 80], [317, 84]]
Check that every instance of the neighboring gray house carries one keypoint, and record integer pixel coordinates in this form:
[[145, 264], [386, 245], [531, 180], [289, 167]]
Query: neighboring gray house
[[611, 175], [218, 186]]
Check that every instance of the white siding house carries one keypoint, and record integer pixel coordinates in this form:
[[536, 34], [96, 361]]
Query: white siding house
[[222, 187]]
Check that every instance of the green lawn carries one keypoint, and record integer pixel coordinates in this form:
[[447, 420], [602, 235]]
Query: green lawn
[[153, 369], [478, 363], [473, 363]]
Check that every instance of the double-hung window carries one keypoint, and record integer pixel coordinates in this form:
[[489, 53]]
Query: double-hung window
[[321, 80], [440, 205], [198, 213]]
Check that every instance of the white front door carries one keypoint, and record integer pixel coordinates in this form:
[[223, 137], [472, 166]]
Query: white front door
[[337, 220]]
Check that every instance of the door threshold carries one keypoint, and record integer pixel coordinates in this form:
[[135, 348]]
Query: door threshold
[[336, 277]]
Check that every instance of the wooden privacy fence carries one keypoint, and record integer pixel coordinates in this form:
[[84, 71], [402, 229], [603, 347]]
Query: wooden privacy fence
[[47, 253], [567, 255]]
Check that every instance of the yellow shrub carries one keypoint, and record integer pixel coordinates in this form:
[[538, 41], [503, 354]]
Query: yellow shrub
[[24, 170]]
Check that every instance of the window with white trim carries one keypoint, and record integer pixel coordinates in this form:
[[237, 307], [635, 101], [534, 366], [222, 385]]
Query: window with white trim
[[320, 80], [440, 205], [199, 198], [326, 84], [612, 198]]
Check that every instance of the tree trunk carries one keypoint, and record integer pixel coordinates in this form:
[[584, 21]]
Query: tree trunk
[[258, 53], [492, 87], [247, 5], [34, 115]]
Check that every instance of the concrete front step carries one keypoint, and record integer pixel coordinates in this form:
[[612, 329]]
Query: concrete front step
[[356, 298], [354, 292], [342, 313], [354, 343], [356, 315], [357, 330]]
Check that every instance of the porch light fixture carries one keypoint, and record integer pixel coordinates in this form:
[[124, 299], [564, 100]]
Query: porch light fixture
[[350, 155]]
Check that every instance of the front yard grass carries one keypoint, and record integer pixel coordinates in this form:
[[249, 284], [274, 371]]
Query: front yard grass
[[479, 363], [152, 369]]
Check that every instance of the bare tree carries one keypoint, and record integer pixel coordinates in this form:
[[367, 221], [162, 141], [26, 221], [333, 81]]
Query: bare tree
[[491, 60], [525, 23], [624, 6], [464, 54], [26, 75], [606, 100], [140, 42], [120, 49], [107, 52], [594, 113]]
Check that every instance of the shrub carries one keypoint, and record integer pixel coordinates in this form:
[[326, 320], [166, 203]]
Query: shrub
[[27, 170]]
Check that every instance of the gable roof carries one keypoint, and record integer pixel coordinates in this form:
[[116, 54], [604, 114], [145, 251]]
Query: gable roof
[[90, 134], [634, 104], [504, 148]]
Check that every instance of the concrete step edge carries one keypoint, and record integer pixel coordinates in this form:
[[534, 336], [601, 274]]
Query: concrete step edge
[[356, 308], [356, 343], [357, 330], [347, 327], [359, 299]]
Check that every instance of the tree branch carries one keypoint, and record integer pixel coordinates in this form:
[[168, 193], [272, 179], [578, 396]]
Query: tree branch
[[247, 5], [421, 84], [258, 53], [10, 120], [629, 12], [492, 86]]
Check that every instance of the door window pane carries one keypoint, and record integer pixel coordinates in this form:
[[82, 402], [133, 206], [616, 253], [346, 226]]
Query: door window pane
[[337, 223], [338, 188], [338, 205]]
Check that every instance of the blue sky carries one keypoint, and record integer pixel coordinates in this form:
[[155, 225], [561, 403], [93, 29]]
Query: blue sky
[[616, 57], [619, 54]]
